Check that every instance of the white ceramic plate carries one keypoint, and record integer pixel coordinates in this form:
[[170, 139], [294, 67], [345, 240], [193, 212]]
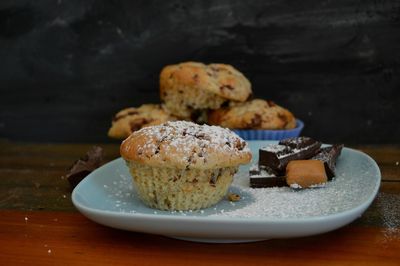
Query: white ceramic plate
[[108, 197]]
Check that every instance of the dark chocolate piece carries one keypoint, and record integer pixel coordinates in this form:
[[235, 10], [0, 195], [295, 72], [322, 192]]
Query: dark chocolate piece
[[81, 168], [265, 177], [277, 156], [297, 142], [329, 156]]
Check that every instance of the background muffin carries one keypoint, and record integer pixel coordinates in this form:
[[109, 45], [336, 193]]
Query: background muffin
[[131, 119], [191, 86], [254, 114], [183, 166]]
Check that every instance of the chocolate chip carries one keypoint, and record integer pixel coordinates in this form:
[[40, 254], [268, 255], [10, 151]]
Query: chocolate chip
[[284, 119], [255, 121], [240, 145], [225, 104], [195, 77], [200, 135], [271, 103], [214, 178], [180, 91], [138, 124]]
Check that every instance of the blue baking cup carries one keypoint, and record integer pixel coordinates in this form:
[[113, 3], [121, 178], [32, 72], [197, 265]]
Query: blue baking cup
[[266, 134]]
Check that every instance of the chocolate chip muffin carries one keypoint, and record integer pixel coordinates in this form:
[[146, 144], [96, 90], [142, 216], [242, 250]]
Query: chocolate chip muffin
[[254, 114], [191, 86], [183, 166], [131, 119]]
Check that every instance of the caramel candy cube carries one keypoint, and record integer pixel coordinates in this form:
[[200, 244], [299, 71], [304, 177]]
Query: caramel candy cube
[[306, 173]]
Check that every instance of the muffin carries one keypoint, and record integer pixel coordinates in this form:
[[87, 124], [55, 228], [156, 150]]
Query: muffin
[[131, 119], [257, 119], [183, 166], [188, 87]]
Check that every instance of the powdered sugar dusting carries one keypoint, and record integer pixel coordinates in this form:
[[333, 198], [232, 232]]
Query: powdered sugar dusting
[[352, 185], [185, 145], [183, 135], [355, 181]]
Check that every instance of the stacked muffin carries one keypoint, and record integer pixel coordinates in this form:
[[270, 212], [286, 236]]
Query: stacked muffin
[[216, 94]]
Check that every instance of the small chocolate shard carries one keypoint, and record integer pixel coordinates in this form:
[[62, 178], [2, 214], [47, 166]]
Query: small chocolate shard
[[261, 176], [93, 159], [328, 156], [277, 156]]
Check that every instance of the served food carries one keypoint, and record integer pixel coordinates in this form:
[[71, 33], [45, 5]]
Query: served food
[[182, 165], [298, 162], [131, 119], [215, 94], [191, 86], [253, 114]]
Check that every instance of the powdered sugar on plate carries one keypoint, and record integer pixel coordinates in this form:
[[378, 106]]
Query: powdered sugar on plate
[[354, 183]]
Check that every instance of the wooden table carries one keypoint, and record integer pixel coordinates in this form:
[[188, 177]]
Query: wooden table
[[40, 226]]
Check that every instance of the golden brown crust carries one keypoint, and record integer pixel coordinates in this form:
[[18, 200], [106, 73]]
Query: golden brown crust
[[254, 114], [185, 145], [191, 85], [131, 119]]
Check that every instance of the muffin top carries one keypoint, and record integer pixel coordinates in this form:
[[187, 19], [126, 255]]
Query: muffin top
[[254, 114], [221, 79], [185, 145], [131, 119]]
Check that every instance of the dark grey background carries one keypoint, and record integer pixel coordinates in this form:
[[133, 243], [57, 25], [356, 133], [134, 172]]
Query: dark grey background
[[67, 66]]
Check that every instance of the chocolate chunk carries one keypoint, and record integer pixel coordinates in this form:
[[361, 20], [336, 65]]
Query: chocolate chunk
[[329, 155], [277, 156], [81, 168], [265, 177], [255, 121], [138, 123]]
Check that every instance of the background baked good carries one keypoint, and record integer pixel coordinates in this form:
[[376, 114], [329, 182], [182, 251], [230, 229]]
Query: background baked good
[[131, 119], [254, 114], [190, 86]]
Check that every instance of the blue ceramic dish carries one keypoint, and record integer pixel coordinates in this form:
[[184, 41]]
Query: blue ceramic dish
[[264, 134]]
